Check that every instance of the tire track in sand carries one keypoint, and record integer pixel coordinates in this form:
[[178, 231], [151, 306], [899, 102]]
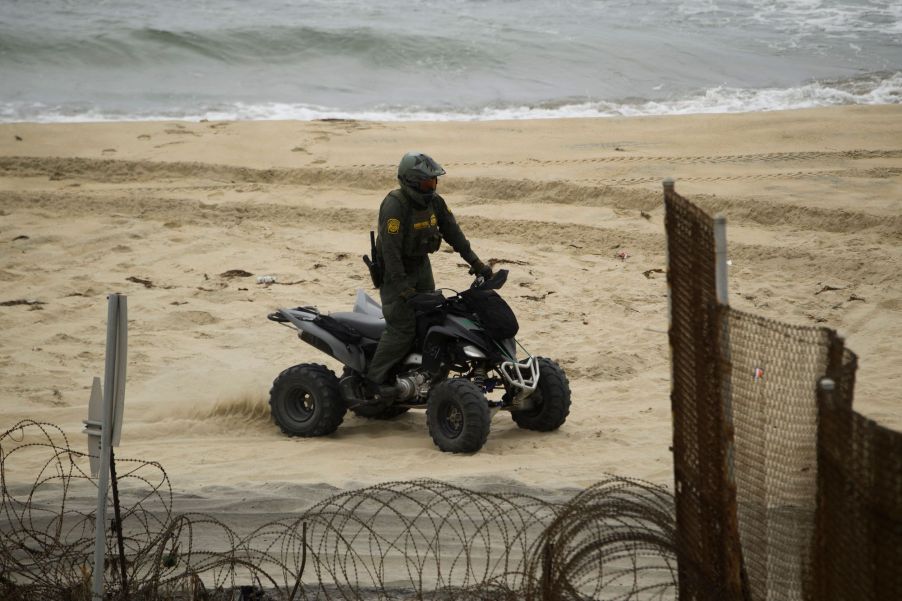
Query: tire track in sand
[[769, 157], [574, 239], [125, 170], [614, 193], [876, 172]]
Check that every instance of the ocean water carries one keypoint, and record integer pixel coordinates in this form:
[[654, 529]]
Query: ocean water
[[91, 60]]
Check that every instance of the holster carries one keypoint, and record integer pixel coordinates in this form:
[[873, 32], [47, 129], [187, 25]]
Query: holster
[[377, 270]]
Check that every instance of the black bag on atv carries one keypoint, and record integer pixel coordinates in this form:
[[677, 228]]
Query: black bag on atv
[[495, 315], [342, 331]]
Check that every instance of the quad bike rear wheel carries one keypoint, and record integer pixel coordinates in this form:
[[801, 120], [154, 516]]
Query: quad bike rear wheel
[[458, 416], [550, 401], [305, 401]]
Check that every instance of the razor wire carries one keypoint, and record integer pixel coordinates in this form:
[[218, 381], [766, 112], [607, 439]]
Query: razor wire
[[421, 539]]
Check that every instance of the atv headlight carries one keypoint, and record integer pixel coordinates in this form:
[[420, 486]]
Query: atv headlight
[[472, 352]]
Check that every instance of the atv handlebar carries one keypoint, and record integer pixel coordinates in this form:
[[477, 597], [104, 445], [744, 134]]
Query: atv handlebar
[[493, 283], [427, 301]]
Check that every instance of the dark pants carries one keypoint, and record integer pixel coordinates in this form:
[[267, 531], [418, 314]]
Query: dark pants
[[400, 321]]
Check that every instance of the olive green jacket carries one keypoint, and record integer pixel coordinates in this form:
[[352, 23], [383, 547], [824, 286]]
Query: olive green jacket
[[409, 231]]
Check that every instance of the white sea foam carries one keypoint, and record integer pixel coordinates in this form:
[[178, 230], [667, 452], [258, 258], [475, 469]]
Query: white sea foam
[[803, 17], [721, 99]]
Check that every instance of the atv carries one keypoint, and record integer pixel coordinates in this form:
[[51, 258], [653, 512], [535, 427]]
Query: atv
[[465, 354]]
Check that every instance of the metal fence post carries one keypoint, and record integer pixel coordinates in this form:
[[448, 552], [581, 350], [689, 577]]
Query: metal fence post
[[724, 374], [720, 251], [113, 396]]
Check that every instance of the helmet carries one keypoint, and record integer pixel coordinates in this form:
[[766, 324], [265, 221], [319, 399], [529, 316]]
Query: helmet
[[419, 173]]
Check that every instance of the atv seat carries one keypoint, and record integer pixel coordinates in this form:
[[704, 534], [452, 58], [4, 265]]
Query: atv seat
[[368, 325]]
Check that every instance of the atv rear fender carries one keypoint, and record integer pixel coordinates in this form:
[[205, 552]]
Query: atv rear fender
[[302, 319]]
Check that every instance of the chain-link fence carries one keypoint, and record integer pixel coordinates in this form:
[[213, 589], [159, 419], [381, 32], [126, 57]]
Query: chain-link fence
[[858, 543], [707, 537], [781, 492], [772, 373]]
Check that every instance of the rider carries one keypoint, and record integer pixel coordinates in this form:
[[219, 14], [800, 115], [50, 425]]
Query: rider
[[413, 220]]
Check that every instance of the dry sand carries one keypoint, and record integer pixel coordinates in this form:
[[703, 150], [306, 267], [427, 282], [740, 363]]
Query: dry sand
[[158, 210]]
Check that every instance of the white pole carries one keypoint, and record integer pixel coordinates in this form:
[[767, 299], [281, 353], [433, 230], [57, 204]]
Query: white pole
[[100, 523], [112, 371], [721, 290], [827, 386]]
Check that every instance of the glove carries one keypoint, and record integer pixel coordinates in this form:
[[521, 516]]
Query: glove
[[481, 269], [408, 294]]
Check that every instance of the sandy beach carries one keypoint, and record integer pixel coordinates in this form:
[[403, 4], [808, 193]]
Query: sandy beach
[[160, 210]]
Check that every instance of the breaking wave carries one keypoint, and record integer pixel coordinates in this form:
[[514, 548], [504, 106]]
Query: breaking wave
[[876, 88]]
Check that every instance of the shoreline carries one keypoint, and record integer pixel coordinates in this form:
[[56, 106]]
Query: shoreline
[[873, 88]]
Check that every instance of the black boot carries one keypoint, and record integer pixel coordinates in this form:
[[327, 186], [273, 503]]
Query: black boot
[[380, 392]]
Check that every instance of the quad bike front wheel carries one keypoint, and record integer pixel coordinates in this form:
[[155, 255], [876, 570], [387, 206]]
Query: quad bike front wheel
[[458, 416], [305, 401], [550, 401]]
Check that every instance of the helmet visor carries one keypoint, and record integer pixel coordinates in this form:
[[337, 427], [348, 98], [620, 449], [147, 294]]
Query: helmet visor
[[428, 185]]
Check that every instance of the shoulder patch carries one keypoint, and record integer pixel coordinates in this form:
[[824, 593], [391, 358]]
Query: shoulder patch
[[394, 226]]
